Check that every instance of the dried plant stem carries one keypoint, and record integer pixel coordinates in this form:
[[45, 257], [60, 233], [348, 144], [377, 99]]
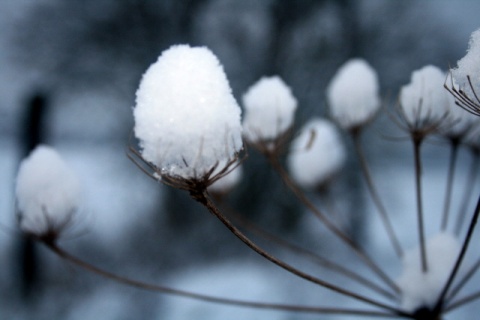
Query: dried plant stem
[[375, 196], [207, 298], [205, 200], [462, 301], [324, 262], [458, 262], [331, 226], [417, 142], [468, 275], [454, 143], [468, 192]]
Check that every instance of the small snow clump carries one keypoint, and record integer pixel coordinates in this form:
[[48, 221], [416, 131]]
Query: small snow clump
[[353, 94], [421, 289], [316, 154], [469, 65], [269, 109], [423, 99], [47, 193], [186, 118]]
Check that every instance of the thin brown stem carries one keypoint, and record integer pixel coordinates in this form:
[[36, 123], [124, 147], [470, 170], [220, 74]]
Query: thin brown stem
[[417, 142], [331, 226], [468, 192], [468, 275], [458, 263], [324, 262], [462, 301], [454, 143], [375, 196], [207, 298], [208, 203]]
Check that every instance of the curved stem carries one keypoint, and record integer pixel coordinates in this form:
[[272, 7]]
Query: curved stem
[[467, 194], [205, 200], [375, 196], [324, 262], [451, 173], [468, 275], [417, 142], [463, 301], [459, 261], [207, 298], [332, 227]]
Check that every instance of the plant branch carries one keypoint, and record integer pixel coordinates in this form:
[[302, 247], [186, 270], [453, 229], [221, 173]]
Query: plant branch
[[207, 298], [375, 196], [454, 143]]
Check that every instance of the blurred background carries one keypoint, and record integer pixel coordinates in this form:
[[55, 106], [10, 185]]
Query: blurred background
[[69, 71]]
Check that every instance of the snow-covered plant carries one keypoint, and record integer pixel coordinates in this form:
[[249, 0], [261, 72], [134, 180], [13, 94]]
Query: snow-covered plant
[[422, 101], [467, 76], [227, 182], [186, 118], [47, 193], [269, 110], [317, 154], [353, 94], [459, 119]]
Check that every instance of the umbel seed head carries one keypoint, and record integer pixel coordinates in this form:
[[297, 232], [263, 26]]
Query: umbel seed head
[[186, 118]]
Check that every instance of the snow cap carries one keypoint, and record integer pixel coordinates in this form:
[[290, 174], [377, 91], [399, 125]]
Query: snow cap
[[269, 109], [421, 289], [353, 94], [316, 154], [423, 99], [469, 65], [47, 193], [186, 117]]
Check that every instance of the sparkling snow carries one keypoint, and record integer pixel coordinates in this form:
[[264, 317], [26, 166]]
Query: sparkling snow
[[469, 65], [186, 117]]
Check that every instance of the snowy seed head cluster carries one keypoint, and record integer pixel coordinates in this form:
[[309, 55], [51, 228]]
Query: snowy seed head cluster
[[47, 193], [353, 94], [421, 289], [423, 100], [269, 109], [186, 118], [469, 66], [316, 154]]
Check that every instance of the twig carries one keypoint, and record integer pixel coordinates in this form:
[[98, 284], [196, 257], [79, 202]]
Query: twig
[[454, 143]]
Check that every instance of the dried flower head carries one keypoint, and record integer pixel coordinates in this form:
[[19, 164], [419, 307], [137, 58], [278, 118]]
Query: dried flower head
[[186, 118], [47, 193], [353, 94]]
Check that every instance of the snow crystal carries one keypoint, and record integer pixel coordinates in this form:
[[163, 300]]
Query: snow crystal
[[47, 192], [469, 65], [186, 117], [423, 99], [269, 109], [316, 154], [421, 289], [353, 94]]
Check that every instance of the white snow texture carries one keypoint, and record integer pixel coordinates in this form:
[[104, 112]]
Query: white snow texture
[[421, 289], [423, 100], [47, 192], [353, 94], [469, 65], [316, 154], [186, 117], [269, 109]]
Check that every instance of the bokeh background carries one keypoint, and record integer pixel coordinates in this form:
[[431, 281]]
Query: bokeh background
[[68, 75]]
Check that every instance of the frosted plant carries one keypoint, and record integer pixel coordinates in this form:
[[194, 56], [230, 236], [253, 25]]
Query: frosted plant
[[269, 110], [467, 76], [459, 120], [186, 117], [422, 101], [47, 193], [422, 289], [353, 94], [317, 154], [227, 182]]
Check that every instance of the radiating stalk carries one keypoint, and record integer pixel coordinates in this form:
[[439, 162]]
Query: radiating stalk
[[458, 263], [332, 227], [207, 298], [469, 188], [375, 196], [454, 143], [417, 142]]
